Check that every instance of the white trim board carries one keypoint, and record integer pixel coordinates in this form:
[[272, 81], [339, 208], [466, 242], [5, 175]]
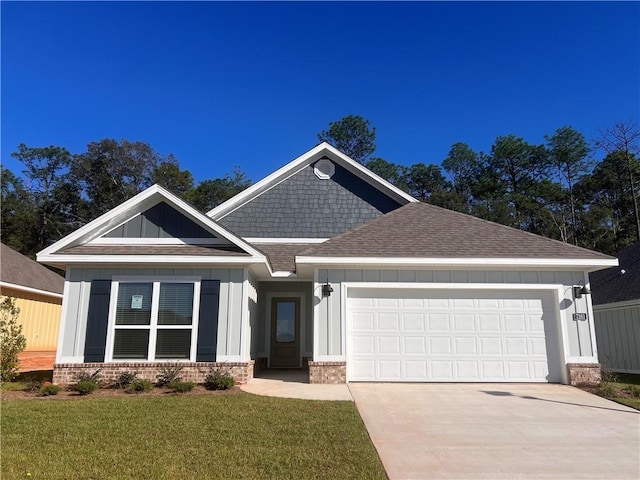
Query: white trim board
[[30, 290], [615, 305], [372, 262]]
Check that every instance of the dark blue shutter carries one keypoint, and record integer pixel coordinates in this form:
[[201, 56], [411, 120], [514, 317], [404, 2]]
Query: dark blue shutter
[[208, 321], [97, 320]]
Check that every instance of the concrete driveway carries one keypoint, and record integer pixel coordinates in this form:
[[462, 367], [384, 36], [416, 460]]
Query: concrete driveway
[[499, 431]]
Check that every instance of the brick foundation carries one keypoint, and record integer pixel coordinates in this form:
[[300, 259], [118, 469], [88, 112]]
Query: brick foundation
[[66, 373], [327, 372], [584, 373]]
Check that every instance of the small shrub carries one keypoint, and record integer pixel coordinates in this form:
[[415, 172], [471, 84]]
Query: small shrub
[[216, 380], [634, 391], [48, 389], [33, 384], [182, 387], [125, 379], [89, 376], [140, 385], [12, 341], [169, 375], [85, 387]]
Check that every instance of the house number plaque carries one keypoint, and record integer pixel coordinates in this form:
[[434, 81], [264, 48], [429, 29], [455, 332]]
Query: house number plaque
[[580, 317]]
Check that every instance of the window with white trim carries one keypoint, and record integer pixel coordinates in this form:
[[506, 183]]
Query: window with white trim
[[154, 320]]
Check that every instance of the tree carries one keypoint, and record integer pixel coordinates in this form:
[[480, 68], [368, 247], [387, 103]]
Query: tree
[[624, 137], [353, 136], [17, 217], [426, 182], [463, 167], [12, 341], [110, 172], [168, 174], [568, 150], [211, 193], [391, 172], [53, 196], [517, 166]]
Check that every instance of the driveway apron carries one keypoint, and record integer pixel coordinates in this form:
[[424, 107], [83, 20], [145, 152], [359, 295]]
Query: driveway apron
[[498, 431]]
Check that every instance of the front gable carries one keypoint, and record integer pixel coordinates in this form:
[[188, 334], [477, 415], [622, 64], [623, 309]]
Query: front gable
[[319, 195], [305, 205]]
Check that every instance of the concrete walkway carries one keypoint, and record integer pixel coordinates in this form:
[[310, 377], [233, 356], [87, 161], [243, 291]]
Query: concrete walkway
[[294, 384], [499, 431]]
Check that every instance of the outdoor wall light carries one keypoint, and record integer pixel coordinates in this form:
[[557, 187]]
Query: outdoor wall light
[[326, 290], [580, 290]]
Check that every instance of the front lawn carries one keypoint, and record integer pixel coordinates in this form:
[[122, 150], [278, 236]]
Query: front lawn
[[178, 437], [623, 388]]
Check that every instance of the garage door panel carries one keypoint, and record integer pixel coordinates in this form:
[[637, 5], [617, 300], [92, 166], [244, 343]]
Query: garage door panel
[[417, 335]]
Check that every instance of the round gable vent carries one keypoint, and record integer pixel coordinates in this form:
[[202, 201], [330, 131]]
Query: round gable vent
[[324, 169]]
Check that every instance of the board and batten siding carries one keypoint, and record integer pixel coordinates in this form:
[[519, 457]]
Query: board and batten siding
[[76, 304], [328, 314], [40, 318], [618, 336]]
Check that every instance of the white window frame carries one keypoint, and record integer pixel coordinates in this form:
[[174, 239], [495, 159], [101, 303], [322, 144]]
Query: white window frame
[[153, 326]]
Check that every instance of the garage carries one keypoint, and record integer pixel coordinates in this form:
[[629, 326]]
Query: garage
[[452, 335]]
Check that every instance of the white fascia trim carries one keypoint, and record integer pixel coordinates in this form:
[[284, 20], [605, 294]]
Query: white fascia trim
[[30, 290], [610, 306], [283, 274], [285, 240], [453, 286], [321, 150], [444, 262], [146, 259], [134, 206], [157, 241]]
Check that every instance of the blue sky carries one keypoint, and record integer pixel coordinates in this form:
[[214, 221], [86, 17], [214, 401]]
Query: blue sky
[[251, 84]]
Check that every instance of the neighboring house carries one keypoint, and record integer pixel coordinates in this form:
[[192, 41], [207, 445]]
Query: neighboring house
[[326, 265], [616, 305], [38, 293]]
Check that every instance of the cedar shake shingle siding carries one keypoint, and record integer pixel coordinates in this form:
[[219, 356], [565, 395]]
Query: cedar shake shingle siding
[[422, 230], [611, 285], [305, 206]]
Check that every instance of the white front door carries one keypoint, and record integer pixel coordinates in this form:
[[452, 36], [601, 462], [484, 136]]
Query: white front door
[[418, 335]]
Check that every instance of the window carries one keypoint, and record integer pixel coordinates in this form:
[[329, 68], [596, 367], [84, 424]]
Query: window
[[154, 320]]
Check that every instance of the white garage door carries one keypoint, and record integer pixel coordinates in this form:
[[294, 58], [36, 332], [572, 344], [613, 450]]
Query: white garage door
[[416, 335]]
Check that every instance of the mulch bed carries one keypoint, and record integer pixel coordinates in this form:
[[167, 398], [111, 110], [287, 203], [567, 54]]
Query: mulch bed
[[114, 392]]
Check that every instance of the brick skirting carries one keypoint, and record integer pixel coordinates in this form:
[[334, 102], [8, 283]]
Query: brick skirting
[[584, 373], [66, 373], [327, 372]]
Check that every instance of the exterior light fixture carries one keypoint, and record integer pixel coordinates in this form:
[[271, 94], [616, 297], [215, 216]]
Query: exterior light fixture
[[326, 290], [580, 290]]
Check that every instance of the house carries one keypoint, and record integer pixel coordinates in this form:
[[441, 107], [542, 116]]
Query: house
[[38, 294], [616, 309], [325, 265]]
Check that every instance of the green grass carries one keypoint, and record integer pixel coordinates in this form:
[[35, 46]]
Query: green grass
[[209, 436], [618, 387]]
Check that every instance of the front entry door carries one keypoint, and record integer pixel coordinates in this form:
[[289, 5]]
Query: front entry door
[[285, 332]]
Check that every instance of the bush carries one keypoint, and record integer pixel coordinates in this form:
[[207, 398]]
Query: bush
[[216, 380], [125, 379], [48, 389], [634, 391], [140, 385], [33, 384], [168, 375], [85, 387], [182, 387], [12, 341], [89, 377]]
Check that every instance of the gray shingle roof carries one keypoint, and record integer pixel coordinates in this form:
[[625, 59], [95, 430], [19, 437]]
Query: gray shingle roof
[[422, 230], [282, 255], [611, 285], [188, 250], [20, 270]]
